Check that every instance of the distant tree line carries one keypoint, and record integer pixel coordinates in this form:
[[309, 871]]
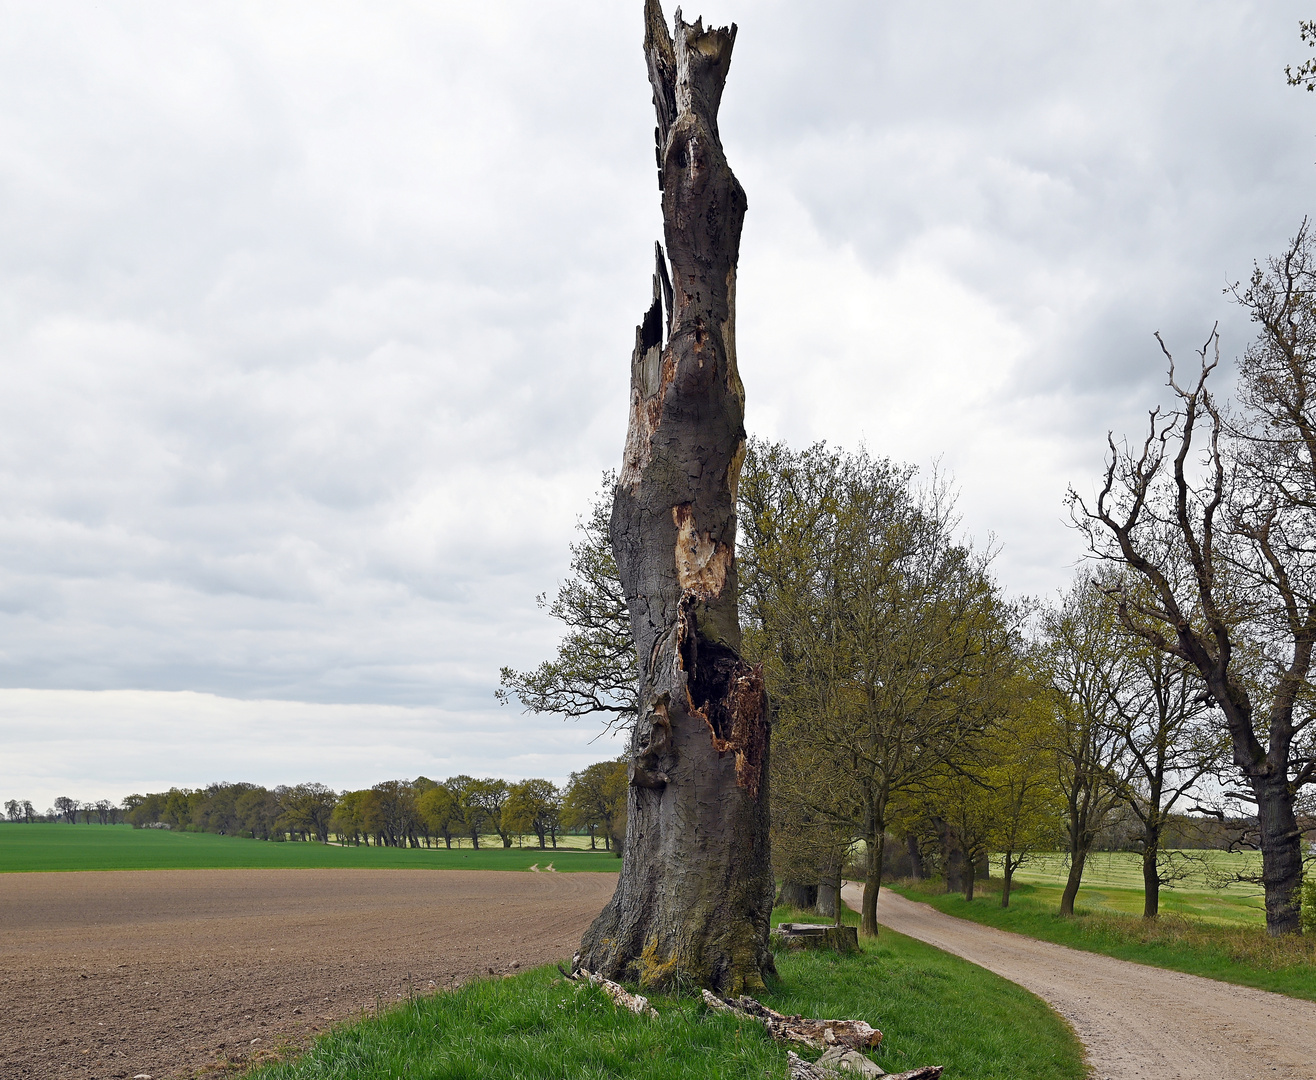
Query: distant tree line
[[100, 812], [393, 813]]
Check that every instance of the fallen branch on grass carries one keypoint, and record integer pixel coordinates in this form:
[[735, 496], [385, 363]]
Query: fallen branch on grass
[[799, 1069], [637, 1003], [819, 1034]]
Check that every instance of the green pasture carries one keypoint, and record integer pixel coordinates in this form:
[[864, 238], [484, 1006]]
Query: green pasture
[[121, 847], [1204, 871], [933, 1008], [1112, 883]]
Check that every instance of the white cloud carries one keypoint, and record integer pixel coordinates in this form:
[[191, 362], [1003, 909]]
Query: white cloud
[[314, 320]]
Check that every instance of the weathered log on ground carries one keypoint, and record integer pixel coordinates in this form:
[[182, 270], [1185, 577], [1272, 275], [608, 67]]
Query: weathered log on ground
[[839, 1059], [694, 897], [853, 1034], [799, 1069], [817, 936], [636, 1003]]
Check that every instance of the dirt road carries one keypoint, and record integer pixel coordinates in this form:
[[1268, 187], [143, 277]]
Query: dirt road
[[1137, 1022], [167, 972]]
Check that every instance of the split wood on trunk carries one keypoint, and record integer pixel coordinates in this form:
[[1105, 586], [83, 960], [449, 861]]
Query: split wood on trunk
[[695, 893]]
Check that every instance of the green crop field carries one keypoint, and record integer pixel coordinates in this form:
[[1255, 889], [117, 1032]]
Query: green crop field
[[121, 847]]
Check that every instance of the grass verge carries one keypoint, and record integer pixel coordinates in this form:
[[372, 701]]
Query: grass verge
[[1244, 955], [43, 847], [933, 1008]]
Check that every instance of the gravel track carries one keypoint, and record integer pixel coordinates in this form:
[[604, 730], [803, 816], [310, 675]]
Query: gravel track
[[176, 972], [1136, 1022]]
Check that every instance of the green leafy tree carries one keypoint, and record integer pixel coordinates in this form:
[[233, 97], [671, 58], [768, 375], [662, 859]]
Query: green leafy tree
[[472, 808], [595, 799], [489, 798], [534, 806], [1305, 73], [1022, 776], [391, 815], [594, 672], [348, 820], [439, 810], [887, 646], [309, 808], [1088, 668], [258, 810]]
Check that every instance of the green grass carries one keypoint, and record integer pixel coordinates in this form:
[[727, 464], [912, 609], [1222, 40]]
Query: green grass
[[1114, 879], [1211, 947], [932, 1007], [121, 847], [1224, 908]]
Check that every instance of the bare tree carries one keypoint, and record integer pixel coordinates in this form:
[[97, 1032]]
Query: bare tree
[[1226, 551], [695, 893]]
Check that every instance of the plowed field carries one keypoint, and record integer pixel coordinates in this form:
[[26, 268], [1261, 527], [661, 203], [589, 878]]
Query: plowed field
[[177, 972]]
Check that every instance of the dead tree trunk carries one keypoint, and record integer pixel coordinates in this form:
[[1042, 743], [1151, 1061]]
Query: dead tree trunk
[[695, 895]]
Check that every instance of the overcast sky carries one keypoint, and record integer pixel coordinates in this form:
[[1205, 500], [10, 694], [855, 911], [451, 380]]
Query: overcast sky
[[315, 322]]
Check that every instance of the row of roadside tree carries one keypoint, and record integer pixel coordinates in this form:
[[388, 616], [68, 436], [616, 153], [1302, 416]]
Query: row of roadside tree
[[912, 699]]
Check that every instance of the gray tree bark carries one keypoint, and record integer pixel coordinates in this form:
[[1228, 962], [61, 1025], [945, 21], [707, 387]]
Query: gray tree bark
[[694, 898]]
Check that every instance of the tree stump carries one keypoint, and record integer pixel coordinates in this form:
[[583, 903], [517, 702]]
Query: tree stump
[[843, 939]]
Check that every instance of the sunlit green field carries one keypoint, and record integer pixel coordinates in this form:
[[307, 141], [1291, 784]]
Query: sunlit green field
[[121, 847], [1112, 882]]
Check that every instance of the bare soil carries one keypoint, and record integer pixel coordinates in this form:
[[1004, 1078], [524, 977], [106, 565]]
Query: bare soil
[[1136, 1022], [175, 973]]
